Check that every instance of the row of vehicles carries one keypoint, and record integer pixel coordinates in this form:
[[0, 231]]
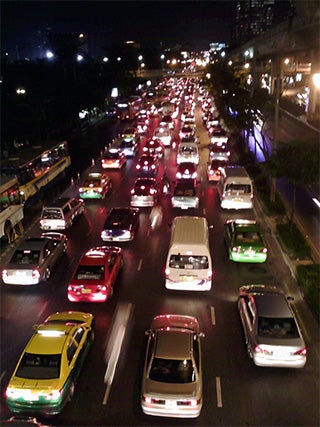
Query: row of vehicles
[[172, 378]]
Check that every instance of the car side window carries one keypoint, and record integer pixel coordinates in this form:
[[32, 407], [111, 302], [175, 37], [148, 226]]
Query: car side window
[[78, 335], [111, 262], [196, 350], [72, 348], [150, 348]]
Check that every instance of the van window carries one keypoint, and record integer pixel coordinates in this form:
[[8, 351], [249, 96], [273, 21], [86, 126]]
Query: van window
[[189, 262], [238, 188]]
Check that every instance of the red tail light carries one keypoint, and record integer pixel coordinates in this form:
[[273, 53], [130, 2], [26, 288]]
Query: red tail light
[[301, 351]]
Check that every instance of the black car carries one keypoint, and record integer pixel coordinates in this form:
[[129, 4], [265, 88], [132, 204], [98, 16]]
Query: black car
[[121, 224]]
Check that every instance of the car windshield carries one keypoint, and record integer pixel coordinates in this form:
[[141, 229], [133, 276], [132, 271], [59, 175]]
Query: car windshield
[[25, 257], [172, 371], [189, 262], [52, 214], [39, 366], [277, 327], [90, 272]]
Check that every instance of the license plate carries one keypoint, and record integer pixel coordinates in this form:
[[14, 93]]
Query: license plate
[[171, 403], [85, 291]]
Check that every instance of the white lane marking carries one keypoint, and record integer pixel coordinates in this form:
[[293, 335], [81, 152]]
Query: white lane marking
[[140, 264], [115, 344], [219, 394], [213, 315]]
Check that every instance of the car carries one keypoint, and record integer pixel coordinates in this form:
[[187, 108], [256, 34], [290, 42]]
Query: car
[[154, 146], [96, 186], [191, 139], [187, 170], [188, 152], [147, 165], [167, 121], [121, 224], [34, 258], [129, 147], [22, 421], [272, 334], [186, 131], [218, 136], [172, 374], [164, 135], [244, 241], [111, 113], [95, 275], [46, 374], [61, 213], [215, 169], [219, 152], [113, 158], [129, 134], [185, 194], [144, 192]]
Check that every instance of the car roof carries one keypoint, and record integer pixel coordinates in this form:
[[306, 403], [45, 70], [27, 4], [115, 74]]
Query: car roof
[[33, 243], [173, 343], [41, 344], [272, 304], [59, 202]]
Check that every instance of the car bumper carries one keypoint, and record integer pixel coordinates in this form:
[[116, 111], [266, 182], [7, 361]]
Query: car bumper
[[185, 204], [255, 258], [35, 407], [92, 297], [142, 203], [229, 204], [174, 412], [273, 362], [195, 285]]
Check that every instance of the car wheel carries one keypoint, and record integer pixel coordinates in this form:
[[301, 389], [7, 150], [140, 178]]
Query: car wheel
[[47, 273], [71, 391]]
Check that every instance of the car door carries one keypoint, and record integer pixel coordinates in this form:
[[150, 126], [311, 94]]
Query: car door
[[247, 315]]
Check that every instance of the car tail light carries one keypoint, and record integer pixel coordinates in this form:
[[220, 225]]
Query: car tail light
[[132, 191], [178, 175], [167, 272], [138, 167], [99, 190], [4, 273], [236, 249], [153, 166], [80, 190], [262, 350], [36, 274], [301, 351], [263, 250], [194, 175], [53, 395]]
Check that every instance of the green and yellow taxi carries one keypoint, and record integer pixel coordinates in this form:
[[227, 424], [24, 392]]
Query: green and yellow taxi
[[244, 241], [45, 376], [96, 186]]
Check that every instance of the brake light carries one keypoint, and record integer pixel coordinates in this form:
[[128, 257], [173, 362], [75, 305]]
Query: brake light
[[36, 274], [80, 190], [301, 351], [53, 395], [99, 190], [138, 167], [236, 249], [4, 273], [263, 250]]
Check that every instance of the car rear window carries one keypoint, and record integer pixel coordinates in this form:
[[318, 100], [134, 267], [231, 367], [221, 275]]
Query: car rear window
[[277, 327], [90, 272], [172, 371], [189, 262], [39, 366], [51, 213], [25, 257]]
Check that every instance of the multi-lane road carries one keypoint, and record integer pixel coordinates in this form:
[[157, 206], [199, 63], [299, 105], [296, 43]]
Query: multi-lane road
[[235, 391]]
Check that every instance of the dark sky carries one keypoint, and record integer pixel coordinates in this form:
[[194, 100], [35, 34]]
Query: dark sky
[[195, 22]]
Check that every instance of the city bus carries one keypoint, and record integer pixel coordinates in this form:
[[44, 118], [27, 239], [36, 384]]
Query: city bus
[[37, 168], [11, 208]]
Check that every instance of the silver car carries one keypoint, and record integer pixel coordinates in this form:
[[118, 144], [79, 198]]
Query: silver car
[[272, 335], [172, 376], [34, 258]]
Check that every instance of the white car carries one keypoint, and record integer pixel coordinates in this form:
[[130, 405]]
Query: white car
[[188, 152], [164, 134], [272, 335], [172, 375]]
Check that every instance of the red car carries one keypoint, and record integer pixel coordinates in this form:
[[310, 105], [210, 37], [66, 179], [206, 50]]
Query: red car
[[154, 146], [95, 275]]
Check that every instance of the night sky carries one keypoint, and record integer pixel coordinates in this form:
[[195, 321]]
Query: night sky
[[149, 22]]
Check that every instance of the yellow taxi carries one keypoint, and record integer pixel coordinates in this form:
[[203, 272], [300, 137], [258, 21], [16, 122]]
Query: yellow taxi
[[45, 376]]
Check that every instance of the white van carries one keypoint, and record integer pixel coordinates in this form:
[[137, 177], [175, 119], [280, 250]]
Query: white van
[[235, 188], [61, 213], [189, 264]]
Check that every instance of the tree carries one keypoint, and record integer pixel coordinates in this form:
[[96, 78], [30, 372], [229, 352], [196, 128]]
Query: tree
[[298, 161]]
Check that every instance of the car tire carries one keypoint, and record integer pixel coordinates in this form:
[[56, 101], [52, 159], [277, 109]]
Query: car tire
[[47, 273], [71, 391]]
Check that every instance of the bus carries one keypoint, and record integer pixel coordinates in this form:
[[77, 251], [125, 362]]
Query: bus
[[37, 168], [11, 209]]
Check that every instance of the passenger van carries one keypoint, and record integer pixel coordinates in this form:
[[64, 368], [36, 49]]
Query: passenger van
[[235, 188], [60, 214], [189, 264]]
